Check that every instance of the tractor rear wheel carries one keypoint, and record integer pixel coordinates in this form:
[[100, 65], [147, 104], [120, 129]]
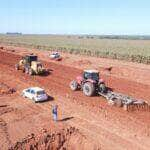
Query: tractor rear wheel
[[73, 85], [89, 89]]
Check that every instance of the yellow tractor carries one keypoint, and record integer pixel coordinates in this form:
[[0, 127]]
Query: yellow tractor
[[30, 65]]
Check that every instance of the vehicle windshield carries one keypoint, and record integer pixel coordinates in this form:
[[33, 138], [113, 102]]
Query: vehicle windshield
[[29, 59], [56, 54], [93, 76], [40, 92], [33, 58]]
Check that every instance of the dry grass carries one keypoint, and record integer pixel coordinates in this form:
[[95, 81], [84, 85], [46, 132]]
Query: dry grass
[[131, 50]]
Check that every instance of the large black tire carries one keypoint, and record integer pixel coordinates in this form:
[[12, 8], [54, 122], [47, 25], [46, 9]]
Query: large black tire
[[89, 89], [118, 103], [31, 72], [73, 85], [17, 67], [102, 88]]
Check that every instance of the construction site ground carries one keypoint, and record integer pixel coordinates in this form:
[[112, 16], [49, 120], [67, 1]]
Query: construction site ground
[[99, 125]]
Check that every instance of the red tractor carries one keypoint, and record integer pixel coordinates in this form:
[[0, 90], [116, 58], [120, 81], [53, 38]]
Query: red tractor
[[90, 83]]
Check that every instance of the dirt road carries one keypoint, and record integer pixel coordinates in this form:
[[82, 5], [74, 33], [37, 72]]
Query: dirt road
[[103, 126]]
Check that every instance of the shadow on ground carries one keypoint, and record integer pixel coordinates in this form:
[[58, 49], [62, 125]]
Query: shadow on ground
[[66, 119]]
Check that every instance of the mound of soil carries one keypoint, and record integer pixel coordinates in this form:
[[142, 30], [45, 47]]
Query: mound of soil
[[57, 140], [11, 50], [2, 123], [8, 49], [5, 89], [1, 47], [83, 62], [5, 109], [106, 69]]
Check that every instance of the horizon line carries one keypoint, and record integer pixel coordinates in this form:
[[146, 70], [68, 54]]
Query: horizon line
[[67, 34]]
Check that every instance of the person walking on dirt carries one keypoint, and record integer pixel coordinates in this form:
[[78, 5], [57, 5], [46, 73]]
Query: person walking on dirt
[[54, 112]]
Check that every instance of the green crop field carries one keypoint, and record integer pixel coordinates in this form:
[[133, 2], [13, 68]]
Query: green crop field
[[136, 49]]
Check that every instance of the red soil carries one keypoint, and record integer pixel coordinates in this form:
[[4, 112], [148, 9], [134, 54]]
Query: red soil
[[5, 89], [62, 139], [123, 130], [60, 78]]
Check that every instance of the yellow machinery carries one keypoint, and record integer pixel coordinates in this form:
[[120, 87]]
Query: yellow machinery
[[30, 65]]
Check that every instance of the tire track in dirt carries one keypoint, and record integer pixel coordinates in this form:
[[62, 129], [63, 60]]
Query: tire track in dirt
[[62, 75], [55, 81], [58, 82], [98, 131], [3, 126], [62, 88]]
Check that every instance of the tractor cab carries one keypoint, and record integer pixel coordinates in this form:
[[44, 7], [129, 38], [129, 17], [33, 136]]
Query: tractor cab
[[90, 83], [91, 74], [30, 58]]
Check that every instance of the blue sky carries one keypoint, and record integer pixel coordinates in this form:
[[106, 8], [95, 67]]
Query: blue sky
[[75, 16]]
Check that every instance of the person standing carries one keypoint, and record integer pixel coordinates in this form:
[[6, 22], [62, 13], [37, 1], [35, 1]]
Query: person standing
[[55, 112]]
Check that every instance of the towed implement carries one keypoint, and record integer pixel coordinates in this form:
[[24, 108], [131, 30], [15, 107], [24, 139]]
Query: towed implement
[[91, 84], [30, 65], [128, 103]]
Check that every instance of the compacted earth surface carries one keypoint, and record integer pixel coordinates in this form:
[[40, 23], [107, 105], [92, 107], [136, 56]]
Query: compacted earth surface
[[84, 122]]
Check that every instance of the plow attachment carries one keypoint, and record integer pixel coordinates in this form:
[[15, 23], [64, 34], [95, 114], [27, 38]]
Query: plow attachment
[[128, 103]]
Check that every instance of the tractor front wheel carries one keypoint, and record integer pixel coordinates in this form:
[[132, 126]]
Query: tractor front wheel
[[73, 85], [89, 89], [31, 72]]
